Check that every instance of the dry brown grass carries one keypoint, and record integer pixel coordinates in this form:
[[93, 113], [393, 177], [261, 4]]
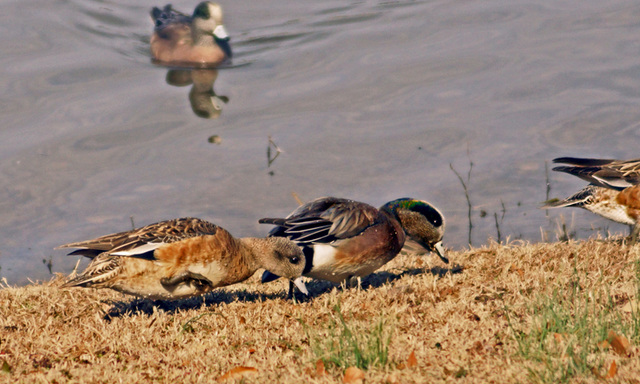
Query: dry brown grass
[[488, 321]]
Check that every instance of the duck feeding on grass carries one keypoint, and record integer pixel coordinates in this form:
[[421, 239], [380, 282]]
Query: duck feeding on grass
[[181, 258], [344, 239]]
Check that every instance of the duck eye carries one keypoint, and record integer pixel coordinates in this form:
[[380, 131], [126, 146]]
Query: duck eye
[[294, 260]]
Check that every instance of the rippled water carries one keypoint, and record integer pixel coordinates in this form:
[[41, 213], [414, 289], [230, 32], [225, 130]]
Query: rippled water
[[370, 100]]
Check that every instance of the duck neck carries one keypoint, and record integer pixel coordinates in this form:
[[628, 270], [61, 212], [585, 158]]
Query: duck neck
[[242, 267], [250, 246], [391, 210]]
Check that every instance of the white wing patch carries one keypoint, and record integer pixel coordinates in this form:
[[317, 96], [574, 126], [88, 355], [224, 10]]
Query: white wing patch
[[323, 254], [139, 250]]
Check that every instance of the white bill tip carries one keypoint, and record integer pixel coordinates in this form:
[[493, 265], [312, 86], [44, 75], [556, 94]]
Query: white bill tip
[[300, 284], [220, 32]]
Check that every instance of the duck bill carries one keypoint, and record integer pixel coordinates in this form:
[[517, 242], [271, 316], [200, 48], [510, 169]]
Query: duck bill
[[221, 33], [269, 277], [440, 251], [300, 284], [222, 39]]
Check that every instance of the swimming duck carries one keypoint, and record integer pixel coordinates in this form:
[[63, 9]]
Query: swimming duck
[[613, 192], [181, 258], [199, 40], [344, 239]]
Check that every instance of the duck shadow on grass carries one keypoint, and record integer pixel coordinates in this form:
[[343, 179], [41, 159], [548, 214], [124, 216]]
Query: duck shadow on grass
[[219, 296], [375, 280], [316, 288]]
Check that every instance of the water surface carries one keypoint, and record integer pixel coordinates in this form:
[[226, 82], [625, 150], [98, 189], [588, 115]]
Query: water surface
[[371, 100]]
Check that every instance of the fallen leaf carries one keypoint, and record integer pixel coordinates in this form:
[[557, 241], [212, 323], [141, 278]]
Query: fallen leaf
[[238, 373], [519, 271], [559, 337], [604, 344], [447, 291], [412, 361], [619, 343], [613, 369], [353, 375], [320, 369]]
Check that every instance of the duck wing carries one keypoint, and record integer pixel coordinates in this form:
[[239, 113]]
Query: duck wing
[[144, 240], [324, 220]]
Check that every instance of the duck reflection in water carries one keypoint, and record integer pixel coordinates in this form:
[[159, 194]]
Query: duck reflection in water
[[204, 101]]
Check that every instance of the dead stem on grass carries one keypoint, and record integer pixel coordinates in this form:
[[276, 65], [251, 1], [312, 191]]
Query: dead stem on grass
[[270, 157], [188, 326], [466, 192], [547, 183], [495, 216]]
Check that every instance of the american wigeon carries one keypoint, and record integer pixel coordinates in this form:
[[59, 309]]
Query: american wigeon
[[343, 239], [181, 258], [199, 40], [614, 192]]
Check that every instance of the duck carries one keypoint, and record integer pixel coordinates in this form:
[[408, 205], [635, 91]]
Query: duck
[[200, 40], [613, 191], [344, 239], [181, 258]]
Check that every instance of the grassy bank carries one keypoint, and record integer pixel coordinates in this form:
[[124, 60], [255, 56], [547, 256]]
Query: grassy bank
[[562, 312]]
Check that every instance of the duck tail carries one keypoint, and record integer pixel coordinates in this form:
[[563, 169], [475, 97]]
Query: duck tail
[[100, 271]]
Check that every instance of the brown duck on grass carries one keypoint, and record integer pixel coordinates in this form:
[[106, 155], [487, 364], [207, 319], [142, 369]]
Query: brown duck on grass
[[181, 258]]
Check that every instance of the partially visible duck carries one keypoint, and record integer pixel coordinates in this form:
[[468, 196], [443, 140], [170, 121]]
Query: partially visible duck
[[613, 192], [181, 258], [199, 40], [344, 239]]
